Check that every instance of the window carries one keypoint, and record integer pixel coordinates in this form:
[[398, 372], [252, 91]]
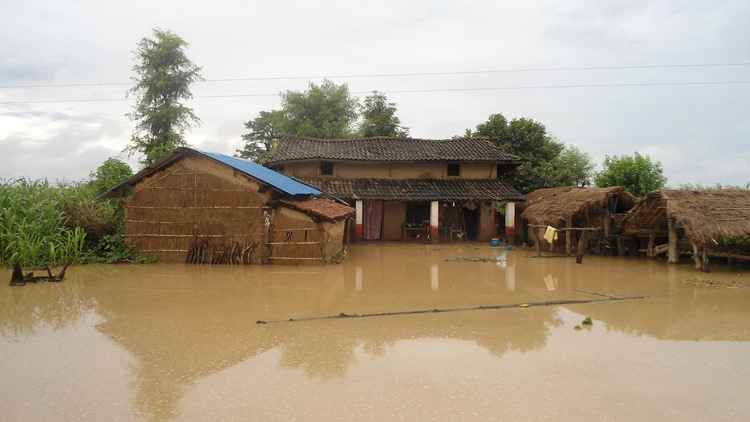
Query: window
[[454, 169], [326, 168]]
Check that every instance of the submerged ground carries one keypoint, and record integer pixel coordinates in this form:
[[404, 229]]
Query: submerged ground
[[180, 342]]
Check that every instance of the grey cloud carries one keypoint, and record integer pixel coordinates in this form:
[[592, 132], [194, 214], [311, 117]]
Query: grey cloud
[[701, 134]]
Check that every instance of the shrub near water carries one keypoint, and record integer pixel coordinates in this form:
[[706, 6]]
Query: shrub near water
[[32, 229], [43, 225]]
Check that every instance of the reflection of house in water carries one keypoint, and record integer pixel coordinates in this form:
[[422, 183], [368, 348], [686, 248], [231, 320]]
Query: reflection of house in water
[[182, 323], [196, 321]]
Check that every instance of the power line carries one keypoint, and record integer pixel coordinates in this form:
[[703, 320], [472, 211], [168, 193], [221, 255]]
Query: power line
[[399, 75], [413, 91]]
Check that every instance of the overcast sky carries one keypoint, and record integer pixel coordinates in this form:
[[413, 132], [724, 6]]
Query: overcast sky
[[701, 133]]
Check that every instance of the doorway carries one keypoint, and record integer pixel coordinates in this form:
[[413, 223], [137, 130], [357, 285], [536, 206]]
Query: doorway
[[471, 222]]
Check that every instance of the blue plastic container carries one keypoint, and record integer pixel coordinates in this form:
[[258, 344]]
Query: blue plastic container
[[495, 242]]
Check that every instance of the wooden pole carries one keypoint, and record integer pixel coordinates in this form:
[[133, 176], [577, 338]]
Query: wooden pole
[[569, 236], [581, 247], [697, 257], [620, 246], [537, 241], [704, 261], [651, 244], [672, 255]]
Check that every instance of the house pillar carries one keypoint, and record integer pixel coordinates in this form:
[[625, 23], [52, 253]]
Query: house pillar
[[359, 227], [434, 215], [510, 220]]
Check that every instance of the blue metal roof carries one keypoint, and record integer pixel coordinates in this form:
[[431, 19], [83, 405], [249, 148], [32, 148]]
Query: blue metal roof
[[275, 179]]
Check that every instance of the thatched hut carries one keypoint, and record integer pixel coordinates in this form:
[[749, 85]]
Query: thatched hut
[[596, 211], [706, 223], [202, 207]]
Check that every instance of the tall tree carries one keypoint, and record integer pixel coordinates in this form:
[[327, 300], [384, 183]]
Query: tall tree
[[638, 174], [572, 167], [261, 131], [109, 174], [527, 139], [325, 111], [163, 74], [379, 117]]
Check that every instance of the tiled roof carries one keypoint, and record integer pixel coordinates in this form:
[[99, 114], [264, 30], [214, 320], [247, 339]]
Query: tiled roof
[[388, 150], [417, 189], [320, 207]]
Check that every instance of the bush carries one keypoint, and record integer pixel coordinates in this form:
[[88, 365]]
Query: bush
[[43, 225], [32, 226]]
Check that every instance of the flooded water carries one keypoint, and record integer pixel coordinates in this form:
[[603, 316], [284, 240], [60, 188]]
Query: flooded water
[[179, 342]]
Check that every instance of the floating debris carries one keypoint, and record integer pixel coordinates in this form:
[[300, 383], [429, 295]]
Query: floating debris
[[587, 321], [708, 283], [476, 259], [461, 309]]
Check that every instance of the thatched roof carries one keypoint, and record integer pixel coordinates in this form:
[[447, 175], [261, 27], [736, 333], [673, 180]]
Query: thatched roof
[[707, 216], [553, 206]]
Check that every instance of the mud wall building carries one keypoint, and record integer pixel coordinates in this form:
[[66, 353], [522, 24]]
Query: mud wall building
[[202, 207], [404, 188]]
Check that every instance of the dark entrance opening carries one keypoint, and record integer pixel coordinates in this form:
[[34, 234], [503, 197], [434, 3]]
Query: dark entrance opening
[[471, 220], [417, 221]]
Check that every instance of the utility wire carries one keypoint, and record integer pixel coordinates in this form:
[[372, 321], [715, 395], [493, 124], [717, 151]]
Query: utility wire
[[411, 91], [399, 75]]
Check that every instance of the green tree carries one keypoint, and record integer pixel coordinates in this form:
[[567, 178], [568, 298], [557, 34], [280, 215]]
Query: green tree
[[109, 174], [527, 139], [572, 167], [163, 74], [261, 131], [379, 117], [637, 173], [324, 111]]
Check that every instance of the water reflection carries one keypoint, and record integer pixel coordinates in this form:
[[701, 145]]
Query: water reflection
[[181, 324]]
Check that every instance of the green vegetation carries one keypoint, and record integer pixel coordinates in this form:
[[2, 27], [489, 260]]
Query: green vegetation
[[326, 110], [163, 74], [379, 118], [571, 167], [46, 226], [638, 174], [546, 162]]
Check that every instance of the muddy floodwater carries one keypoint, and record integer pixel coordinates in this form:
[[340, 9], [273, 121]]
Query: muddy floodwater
[[180, 342]]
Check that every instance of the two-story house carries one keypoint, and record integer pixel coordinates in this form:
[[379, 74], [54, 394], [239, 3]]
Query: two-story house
[[405, 188]]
